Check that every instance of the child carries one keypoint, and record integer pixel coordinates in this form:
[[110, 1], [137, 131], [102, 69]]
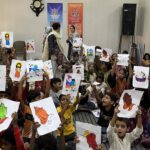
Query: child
[[65, 111], [55, 90], [117, 134]]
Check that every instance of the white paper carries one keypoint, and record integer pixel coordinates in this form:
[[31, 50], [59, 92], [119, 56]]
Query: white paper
[[123, 59], [90, 53], [129, 102], [7, 108], [88, 135], [7, 39], [79, 69], [140, 77], [17, 70], [30, 46], [2, 77], [34, 70], [48, 68], [77, 42], [96, 112], [105, 55], [44, 112], [71, 83]]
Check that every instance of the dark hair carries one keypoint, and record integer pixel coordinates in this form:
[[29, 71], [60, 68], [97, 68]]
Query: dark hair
[[75, 54], [113, 96], [73, 26], [125, 52], [56, 26], [125, 120], [97, 47], [60, 96], [54, 81], [32, 94], [100, 75], [47, 142], [146, 54]]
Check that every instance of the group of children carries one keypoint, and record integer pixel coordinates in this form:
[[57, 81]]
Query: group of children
[[105, 82]]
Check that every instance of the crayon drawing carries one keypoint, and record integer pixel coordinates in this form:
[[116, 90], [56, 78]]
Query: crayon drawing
[[140, 77], [77, 43], [105, 54], [89, 136], [7, 39], [79, 69], [90, 53], [129, 102], [123, 59], [30, 46], [3, 113], [70, 83], [2, 77]]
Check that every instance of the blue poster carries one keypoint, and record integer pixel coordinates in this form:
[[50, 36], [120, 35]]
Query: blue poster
[[54, 13]]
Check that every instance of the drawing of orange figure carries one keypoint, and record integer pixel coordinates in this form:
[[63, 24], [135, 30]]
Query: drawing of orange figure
[[41, 114], [127, 102], [18, 69], [91, 139], [7, 39]]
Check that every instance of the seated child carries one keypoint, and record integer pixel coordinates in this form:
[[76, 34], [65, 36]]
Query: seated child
[[117, 134]]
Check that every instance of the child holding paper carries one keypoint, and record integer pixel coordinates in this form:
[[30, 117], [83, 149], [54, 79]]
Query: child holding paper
[[117, 134]]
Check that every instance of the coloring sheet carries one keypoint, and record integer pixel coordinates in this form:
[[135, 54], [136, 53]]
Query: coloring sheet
[[7, 108], [2, 77], [106, 54], [34, 70], [45, 113], [123, 59], [90, 53], [140, 77], [79, 69], [30, 46], [77, 42], [89, 136], [7, 39], [71, 83], [48, 68], [17, 70], [129, 102]]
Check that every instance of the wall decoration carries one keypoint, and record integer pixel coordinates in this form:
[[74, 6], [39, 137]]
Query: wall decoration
[[30, 46], [2, 77], [79, 69], [34, 70], [48, 68], [7, 108], [45, 113], [75, 17], [129, 102], [17, 70], [123, 59], [7, 39], [89, 136], [140, 77]]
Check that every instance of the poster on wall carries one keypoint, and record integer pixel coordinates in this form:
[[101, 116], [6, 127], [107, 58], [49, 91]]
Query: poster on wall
[[75, 17], [89, 136], [17, 70], [30, 46], [7, 39], [129, 102], [7, 108], [140, 77], [45, 113], [54, 14], [2, 77]]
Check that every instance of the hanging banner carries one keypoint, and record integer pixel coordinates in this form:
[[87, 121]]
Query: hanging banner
[[54, 13], [75, 17]]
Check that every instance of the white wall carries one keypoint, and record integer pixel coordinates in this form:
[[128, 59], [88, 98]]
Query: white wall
[[101, 21]]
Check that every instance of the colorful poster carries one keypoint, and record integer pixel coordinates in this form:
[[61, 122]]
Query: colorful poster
[[79, 69], [30, 46], [90, 53], [7, 108], [7, 39], [123, 59], [17, 70], [54, 13], [129, 102], [89, 136], [140, 77], [71, 83], [105, 55], [34, 70], [2, 77], [45, 113], [75, 17], [48, 68]]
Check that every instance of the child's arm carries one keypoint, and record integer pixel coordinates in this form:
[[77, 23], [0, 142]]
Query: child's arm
[[130, 75], [97, 96], [47, 85], [113, 120], [77, 100], [62, 139], [139, 119]]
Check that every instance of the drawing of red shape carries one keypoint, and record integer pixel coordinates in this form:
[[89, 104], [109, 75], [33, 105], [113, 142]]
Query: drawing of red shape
[[2, 120]]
